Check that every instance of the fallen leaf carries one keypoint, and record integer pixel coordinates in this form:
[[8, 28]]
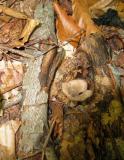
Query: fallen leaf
[[7, 137], [101, 4], [11, 74], [28, 29], [82, 16], [11, 12], [57, 116], [66, 26], [5, 18], [120, 8], [10, 32]]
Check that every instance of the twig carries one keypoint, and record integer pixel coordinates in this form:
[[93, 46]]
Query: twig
[[3, 91], [45, 67], [61, 44], [47, 139], [71, 37], [21, 53], [56, 46], [55, 64]]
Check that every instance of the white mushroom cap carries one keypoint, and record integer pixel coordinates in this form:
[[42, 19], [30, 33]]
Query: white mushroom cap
[[76, 90]]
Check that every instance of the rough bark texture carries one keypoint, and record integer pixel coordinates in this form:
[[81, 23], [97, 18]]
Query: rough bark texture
[[34, 111]]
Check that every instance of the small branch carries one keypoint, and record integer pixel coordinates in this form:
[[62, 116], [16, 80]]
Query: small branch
[[47, 61], [47, 139], [21, 53], [55, 64], [61, 44], [3, 91]]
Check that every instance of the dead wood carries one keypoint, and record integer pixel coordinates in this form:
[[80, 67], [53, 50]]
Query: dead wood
[[21, 53], [45, 67], [34, 112]]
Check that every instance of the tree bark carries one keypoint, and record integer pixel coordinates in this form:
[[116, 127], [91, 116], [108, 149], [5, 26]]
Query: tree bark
[[34, 108]]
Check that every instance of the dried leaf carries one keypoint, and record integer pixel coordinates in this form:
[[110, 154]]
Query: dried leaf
[[120, 9], [11, 74], [66, 26], [57, 116], [100, 7], [27, 31], [5, 18], [104, 5], [91, 2], [101, 4], [82, 16], [103, 80], [12, 12], [91, 131], [7, 137], [10, 32]]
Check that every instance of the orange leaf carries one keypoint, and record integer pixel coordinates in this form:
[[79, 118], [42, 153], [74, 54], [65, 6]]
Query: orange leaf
[[82, 16], [66, 26]]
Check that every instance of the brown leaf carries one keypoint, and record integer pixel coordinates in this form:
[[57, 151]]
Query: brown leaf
[[91, 2], [101, 4], [66, 26], [82, 16], [28, 29], [11, 31], [120, 60], [7, 136], [57, 116], [11, 12], [120, 8]]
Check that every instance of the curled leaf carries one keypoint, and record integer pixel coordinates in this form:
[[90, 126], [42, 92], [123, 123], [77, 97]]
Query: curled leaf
[[66, 26], [27, 31]]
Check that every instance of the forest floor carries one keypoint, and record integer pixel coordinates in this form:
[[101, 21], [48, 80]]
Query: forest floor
[[61, 80]]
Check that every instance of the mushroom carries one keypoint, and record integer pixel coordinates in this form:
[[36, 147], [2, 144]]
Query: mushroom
[[76, 90]]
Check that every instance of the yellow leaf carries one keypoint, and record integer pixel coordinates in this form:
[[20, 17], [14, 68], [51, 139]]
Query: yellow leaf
[[11, 12], [28, 29]]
